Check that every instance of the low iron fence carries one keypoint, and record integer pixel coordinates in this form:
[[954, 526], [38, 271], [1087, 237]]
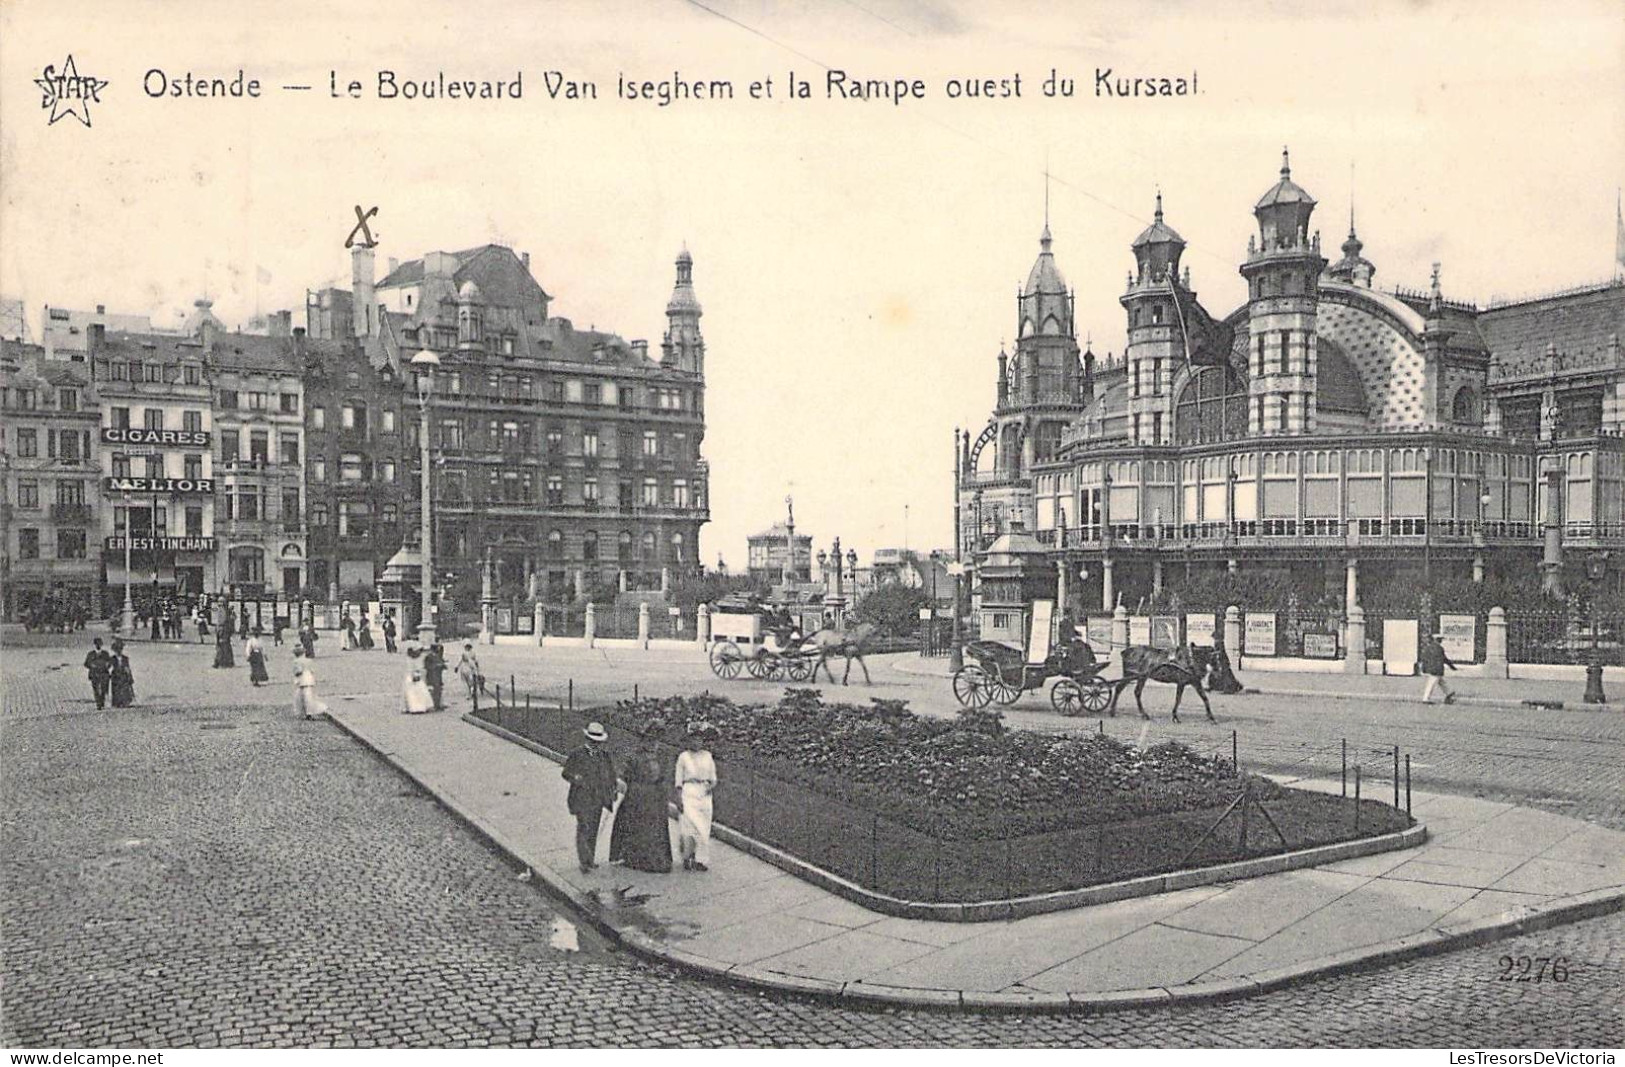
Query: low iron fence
[[886, 856]]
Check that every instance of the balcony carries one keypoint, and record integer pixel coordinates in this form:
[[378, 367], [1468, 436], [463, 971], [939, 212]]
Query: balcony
[[71, 514], [1330, 534]]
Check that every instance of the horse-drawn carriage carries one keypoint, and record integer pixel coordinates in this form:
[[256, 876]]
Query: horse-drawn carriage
[[1001, 674], [757, 639]]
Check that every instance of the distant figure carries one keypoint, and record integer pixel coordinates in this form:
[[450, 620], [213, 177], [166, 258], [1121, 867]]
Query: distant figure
[[203, 626], [696, 780], [347, 625], [123, 677], [389, 632], [364, 634], [305, 702], [278, 624], [157, 621], [415, 696], [222, 648], [1221, 678], [1433, 661], [99, 666], [434, 672], [307, 640], [468, 669], [254, 652], [590, 770]]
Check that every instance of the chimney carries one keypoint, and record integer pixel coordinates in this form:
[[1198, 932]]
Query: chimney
[[365, 302], [299, 342], [101, 309], [394, 264], [640, 349], [95, 339], [524, 257], [278, 323]]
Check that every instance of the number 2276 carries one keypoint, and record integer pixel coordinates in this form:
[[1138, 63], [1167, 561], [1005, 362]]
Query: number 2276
[[1534, 968]]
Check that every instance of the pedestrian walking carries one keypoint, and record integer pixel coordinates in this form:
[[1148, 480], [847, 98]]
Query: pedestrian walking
[[307, 640], [1433, 661], [278, 624], [696, 780], [590, 770], [347, 625], [468, 669], [415, 696], [364, 634], [157, 621], [254, 653], [641, 836], [434, 672], [389, 632], [305, 701], [99, 666], [222, 649], [123, 677], [203, 626]]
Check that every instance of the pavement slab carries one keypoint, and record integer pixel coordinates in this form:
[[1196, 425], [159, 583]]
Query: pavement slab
[[1152, 956]]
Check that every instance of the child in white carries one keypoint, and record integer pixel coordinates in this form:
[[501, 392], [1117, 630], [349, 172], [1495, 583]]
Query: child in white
[[304, 688], [696, 778]]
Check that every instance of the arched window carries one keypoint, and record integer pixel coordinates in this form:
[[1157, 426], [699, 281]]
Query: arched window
[[589, 546], [677, 548], [1465, 408], [1212, 407], [624, 546], [555, 543], [649, 546]]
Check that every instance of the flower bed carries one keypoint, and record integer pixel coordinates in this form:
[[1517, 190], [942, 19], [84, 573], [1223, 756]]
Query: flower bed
[[950, 811]]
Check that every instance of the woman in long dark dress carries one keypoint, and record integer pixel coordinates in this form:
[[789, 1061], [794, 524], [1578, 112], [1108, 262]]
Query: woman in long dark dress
[[641, 838], [255, 652], [123, 678]]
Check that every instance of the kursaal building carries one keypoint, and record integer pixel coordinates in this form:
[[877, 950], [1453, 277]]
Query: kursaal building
[[1324, 429]]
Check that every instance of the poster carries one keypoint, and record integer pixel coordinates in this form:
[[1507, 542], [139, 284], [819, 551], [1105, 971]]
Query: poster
[[1098, 631], [1320, 646], [1164, 631], [1139, 629], [1399, 646], [1199, 630], [1259, 634], [1460, 637]]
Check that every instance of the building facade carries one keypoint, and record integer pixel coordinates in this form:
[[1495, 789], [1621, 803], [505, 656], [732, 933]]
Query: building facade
[[571, 458], [49, 501], [259, 424], [1325, 430], [157, 462], [768, 552]]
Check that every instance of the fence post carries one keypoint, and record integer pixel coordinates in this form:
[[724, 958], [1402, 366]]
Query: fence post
[[643, 625], [1246, 802], [513, 691], [1235, 761], [634, 692], [1407, 783], [702, 625], [572, 694], [1396, 776], [1354, 641], [1345, 766], [1495, 644], [874, 850], [589, 624], [1356, 798]]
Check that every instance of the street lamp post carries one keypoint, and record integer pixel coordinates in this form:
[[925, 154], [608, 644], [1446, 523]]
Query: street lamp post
[[127, 619], [424, 364], [1597, 571]]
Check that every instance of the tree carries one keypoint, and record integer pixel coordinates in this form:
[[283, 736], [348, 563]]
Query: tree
[[894, 608]]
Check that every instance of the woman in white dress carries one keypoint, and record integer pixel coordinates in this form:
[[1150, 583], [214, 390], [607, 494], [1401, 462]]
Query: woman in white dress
[[305, 701], [415, 693], [696, 779]]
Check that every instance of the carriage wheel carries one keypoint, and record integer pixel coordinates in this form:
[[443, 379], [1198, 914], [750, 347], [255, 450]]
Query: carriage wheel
[[972, 688], [801, 668], [1004, 692], [1067, 697], [726, 660], [761, 666], [1097, 694]]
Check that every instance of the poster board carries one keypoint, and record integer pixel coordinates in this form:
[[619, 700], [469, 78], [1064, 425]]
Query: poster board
[[1199, 629], [1399, 645], [1460, 640], [1139, 629], [1038, 642], [1097, 630], [1164, 631], [1320, 646], [1258, 634], [505, 620]]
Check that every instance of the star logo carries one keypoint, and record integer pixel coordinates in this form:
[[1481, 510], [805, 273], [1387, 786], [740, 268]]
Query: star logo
[[69, 92]]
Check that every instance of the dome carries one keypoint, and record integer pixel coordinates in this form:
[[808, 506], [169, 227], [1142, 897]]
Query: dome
[[1337, 383], [1158, 232], [1285, 191]]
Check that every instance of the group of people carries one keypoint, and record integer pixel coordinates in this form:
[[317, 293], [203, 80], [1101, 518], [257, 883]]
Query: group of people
[[110, 674], [423, 689], [54, 615], [357, 635], [640, 837]]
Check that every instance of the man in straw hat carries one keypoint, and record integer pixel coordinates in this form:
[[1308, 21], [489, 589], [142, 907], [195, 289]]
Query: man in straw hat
[[1432, 659], [590, 770]]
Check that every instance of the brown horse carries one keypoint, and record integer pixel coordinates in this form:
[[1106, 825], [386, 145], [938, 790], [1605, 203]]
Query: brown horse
[[1178, 667], [849, 643]]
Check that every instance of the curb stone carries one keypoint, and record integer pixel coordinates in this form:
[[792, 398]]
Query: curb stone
[[1426, 943]]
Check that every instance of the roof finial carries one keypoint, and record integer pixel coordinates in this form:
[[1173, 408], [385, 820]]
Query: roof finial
[[1351, 198], [1045, 238], [1286, 164], [1159, 205]]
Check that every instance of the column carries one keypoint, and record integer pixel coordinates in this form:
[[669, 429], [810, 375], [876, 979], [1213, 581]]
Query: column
[[1156, 574], [1119, 628], [1354, 640], [1351, 590], [1495, 644], [1107, 600], [1232, 632], [1060, 587], [1551, 564], [539, 619], [590, 624], [702, 625], [643, 624]]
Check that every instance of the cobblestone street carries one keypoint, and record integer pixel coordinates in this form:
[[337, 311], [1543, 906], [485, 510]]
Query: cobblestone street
[[205, 870]]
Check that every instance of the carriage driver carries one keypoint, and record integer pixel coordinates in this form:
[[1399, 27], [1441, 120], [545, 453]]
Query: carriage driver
[[1076, 652]]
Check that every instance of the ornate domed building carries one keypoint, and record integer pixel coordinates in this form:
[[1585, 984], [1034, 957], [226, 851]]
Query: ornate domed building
[[1324, 430]]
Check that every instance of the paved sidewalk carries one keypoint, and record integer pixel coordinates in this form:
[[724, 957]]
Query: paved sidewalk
[[1489, 869], [1488, 692]]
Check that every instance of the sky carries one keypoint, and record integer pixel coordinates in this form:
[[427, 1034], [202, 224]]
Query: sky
[[858, 260]]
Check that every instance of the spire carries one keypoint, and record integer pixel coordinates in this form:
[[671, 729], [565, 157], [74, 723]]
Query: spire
[[1158, 215], [1286, 164], [1436, 296]]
